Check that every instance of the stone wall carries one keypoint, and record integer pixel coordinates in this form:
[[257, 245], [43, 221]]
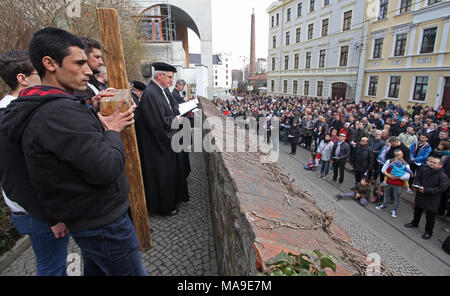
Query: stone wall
[[257, 213]]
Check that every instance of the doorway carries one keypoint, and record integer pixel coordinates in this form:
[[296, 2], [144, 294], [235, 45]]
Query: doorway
[[339, 90], [446, 94]]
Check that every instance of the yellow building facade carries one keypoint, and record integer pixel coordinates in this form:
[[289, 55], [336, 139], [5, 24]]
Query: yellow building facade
[[407, 52]]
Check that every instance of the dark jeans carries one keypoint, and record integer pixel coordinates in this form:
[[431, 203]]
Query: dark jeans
[[325, 168], [430, 219], [444, 203], [111, 250], [51, 252], [374, 171], [339, 165]]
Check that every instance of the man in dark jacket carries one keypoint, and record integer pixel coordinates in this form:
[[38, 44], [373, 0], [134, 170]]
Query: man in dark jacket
[[396, 144], [375, 144], [339, 155], [362, 159], [294, 135], [48, 240], [75, 159], [431, 182], [178, 91]]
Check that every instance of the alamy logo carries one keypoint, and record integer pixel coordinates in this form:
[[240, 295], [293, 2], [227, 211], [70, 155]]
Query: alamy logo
[[73, 265], [374, 268]]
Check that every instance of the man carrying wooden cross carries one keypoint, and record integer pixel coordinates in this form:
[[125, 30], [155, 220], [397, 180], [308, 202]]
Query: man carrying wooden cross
[[76, 159]]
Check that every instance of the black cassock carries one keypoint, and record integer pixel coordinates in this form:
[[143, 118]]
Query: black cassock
[[164, 171]]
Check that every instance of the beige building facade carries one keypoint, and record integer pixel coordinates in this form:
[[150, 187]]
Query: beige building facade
[[407, 52]]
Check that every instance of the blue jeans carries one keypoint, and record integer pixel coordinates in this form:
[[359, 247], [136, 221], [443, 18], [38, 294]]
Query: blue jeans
[[111, 250], [325, 168], [51, 252], [392, 191]]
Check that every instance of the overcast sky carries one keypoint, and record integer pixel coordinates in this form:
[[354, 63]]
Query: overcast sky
[[231, 24]]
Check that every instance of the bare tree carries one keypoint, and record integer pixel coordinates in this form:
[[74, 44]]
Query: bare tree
[[20, 19]]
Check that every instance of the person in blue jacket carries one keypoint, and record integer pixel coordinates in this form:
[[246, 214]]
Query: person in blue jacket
[[419, 152]]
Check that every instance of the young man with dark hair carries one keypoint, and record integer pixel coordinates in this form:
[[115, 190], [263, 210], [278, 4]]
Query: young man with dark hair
[[95, 89], [49, 239], [75, 157]]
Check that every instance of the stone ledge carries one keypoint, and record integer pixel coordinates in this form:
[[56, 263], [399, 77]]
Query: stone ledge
[[255, 218]]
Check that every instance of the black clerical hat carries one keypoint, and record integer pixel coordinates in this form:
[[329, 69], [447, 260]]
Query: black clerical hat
[[138, 85], [164, 67]]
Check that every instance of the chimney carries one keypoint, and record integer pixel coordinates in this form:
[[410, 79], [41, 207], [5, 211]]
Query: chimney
[[252, 48]]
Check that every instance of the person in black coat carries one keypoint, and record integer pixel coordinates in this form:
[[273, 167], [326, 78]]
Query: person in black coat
[[137, 90], [164, 170], [294, 135], [362, 159], [432, 182], [339, 155]]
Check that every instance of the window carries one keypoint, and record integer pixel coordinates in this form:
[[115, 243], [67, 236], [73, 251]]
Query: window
[[347, 21], [273, 21], [311, 5], [306, 88], [431, 2], [383, 9], [319, 88], [400, 45], [378, 48], [308, 60], [278, 19], [325, 27], [429, 37], [344, 56], [420, 88], [295, 87], [373, 85], [310, 31], [299, 9], [288, 37], [405, 6], [285, 86], [394, 86], [322, 58], [273, 64], [296, 60], [326, 2], [286, 63], [298, 32], [288, 16], [272, 85], [274, 42]]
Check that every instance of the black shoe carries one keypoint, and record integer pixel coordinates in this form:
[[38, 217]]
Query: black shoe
[[338, 196], [411, 225], [427, 235], [174, 212]]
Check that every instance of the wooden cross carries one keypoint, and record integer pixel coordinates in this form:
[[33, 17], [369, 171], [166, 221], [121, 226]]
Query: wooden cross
[[115, 63]]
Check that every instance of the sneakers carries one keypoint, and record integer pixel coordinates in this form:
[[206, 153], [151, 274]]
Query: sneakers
[[394, 214], [447, 229], [381, 207], [338, 196], [410, 191], [383, 184]]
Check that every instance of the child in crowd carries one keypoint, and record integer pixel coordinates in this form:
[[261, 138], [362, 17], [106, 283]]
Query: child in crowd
[[361, 192], [378, 194], [399, 168]]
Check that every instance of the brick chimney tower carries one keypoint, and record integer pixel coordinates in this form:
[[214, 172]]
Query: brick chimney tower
[[252, 48]]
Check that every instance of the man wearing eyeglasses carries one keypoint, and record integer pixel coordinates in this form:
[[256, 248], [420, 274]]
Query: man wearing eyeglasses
[[163, 169]]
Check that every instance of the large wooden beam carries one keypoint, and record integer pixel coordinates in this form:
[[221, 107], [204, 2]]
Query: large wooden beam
[[115, 63]]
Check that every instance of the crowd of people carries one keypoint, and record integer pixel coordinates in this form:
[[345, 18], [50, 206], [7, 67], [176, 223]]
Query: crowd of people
[[386, 145]]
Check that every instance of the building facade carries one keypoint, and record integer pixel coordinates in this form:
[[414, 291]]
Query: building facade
[[407, 52], [222, 72], [315, 47]]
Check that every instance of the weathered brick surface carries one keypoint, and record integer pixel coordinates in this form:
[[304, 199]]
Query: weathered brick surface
[[247, 204]]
